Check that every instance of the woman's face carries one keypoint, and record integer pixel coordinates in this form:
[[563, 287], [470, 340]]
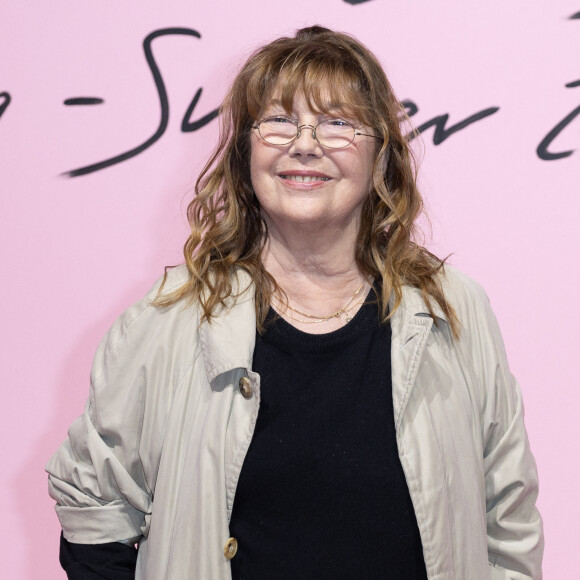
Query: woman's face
[[306, 184]]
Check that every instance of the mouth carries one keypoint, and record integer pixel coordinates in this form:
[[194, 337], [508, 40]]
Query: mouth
[[304, 178]]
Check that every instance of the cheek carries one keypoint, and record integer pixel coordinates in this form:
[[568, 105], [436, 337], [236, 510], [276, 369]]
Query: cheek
[[254, 169], [367, 170], [260, 162], [260, 172], [362, 175]]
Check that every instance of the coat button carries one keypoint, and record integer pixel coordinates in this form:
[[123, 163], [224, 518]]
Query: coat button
[[230, 548], [245, 387]]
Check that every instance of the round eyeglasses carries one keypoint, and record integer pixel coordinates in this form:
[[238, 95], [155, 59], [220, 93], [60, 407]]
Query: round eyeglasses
[[332, 133]]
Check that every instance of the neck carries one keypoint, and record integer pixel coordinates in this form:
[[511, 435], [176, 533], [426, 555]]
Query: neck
[[315, 251], [326, 265], [318, 277]]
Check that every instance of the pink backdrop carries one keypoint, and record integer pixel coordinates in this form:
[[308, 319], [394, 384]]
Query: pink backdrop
[[78, 250]]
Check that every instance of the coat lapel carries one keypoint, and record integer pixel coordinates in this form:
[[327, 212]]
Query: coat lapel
[[227, 341], [411, 325]]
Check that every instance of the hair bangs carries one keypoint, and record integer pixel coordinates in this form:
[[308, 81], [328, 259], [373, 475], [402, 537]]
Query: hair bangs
[[327, 90], [329, 85]]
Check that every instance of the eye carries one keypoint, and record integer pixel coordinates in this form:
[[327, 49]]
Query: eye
[[278, 119], [338, 123]]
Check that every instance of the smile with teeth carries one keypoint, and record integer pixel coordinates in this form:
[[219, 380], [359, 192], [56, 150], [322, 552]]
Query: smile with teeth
[[305, 178]]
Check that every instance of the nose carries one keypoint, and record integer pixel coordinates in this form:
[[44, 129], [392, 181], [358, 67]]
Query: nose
[[308, 144]]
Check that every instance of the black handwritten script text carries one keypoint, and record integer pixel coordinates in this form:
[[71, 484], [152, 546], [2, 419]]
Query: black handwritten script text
[[83, 101], [440, 122], [186, 126], [542, 149], [443, 132], [4, 102]]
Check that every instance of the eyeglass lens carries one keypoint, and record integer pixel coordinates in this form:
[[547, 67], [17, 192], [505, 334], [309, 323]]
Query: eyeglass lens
[[333, 133]]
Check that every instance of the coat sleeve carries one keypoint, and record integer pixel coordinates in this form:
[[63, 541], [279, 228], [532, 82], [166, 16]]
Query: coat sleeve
[[103, 476], [514, 526], [96, 476]]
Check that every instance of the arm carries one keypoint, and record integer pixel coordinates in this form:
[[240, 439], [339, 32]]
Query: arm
[[103, 476], [98, 561], [96, 477], [514, 526]]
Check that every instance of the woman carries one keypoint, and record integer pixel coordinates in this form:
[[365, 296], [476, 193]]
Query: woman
[[312, 395]]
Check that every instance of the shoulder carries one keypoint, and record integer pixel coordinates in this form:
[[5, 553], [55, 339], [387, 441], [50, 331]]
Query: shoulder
[[144, 324], [465, 294], [145, 308], [477, 322], [479, 329]]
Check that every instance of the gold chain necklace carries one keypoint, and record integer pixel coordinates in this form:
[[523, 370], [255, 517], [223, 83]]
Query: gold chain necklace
[[336, 314]]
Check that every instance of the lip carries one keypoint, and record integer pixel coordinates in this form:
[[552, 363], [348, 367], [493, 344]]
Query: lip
[[303, 178]]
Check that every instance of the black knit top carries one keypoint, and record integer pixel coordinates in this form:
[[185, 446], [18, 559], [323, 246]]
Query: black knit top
[[322, 493]]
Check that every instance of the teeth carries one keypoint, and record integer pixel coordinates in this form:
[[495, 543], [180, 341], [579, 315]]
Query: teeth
[[305, 178]]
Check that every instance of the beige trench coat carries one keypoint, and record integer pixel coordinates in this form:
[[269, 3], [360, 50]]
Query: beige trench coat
[[159, 448]]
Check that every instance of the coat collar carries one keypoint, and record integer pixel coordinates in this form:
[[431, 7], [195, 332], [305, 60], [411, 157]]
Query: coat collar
[[412, 303], [411, 326], [228, 340]]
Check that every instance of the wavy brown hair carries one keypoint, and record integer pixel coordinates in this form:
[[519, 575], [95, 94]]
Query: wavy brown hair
[[227, 229]]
